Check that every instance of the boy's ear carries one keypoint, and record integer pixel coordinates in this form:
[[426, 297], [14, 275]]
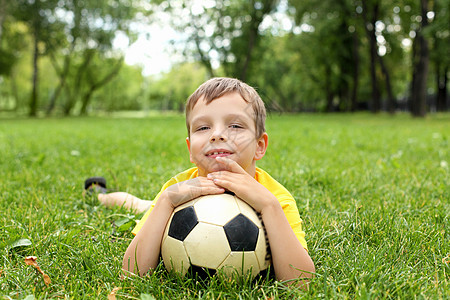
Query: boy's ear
[[188, 142], [261, 146]]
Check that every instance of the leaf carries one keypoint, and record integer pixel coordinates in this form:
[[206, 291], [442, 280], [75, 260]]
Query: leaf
[[446, 260], [124, 224], [20, 243], [32, 261], [147, 297], [112, 295], [121, 222]]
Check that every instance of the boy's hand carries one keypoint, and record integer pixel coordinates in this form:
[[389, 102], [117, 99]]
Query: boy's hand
[[235, 179], [190, 189]]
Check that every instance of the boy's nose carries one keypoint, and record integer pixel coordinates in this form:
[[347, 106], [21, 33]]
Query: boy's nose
[[218, 135]]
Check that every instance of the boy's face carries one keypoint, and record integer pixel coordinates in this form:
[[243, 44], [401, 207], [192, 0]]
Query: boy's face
[[224, 127]]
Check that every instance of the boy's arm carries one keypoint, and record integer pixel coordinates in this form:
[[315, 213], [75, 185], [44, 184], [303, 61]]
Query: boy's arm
[[143, 252], [290, 259]]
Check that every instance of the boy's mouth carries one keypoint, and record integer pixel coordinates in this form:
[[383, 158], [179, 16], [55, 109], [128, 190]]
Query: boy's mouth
[[218, 153]]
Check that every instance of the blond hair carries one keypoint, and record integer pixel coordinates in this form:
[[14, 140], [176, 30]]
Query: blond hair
[[220, 86]]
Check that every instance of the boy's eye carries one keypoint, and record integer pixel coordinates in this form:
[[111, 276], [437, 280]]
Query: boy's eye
[[201, 128], [236, 126]]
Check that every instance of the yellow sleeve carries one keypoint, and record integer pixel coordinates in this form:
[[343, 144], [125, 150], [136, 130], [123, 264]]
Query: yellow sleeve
[[290, 209], [287, 203], [186, 175]]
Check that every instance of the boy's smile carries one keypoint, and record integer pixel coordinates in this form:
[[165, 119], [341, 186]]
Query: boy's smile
[[218, 153], [224, 128]]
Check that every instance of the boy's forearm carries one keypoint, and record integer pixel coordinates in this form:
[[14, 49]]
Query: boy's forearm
[[290, 260], [143, 252]]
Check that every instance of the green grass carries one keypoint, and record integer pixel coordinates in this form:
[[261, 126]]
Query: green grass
[[373, 192]]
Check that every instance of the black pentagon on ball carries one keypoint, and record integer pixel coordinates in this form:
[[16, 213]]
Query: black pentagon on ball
[[242, 233], [200, 273], [183, 221]]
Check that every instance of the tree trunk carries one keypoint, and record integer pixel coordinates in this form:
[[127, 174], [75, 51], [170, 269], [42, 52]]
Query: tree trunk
[[34, 92], [87, 96], [76, 88], [440, 69], [442, 80], [251, 44], [253, 36], [391, 99], [370, 30], [328, 89], [375, 107], [420, 67], [55, 96], [62, 81], [355, 79], [3, 12], [204, 59], [14, 91]]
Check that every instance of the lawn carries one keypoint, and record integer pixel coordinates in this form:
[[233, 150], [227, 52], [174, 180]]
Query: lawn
[[373, 192]]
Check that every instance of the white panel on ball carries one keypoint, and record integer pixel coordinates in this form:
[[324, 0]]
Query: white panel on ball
[[216, 209], [179, 259], [237, 261], [217, 245]]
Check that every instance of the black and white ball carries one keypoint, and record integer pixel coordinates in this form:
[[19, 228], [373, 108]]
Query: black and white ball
[[215, 232]]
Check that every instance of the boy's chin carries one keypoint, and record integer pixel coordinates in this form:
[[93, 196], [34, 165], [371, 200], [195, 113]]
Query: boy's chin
[[214, 168]]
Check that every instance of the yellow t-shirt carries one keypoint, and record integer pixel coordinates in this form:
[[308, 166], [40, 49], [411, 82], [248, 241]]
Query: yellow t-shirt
[[286, 200]]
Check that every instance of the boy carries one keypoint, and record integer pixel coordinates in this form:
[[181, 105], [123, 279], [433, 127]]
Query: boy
[[225, 119]]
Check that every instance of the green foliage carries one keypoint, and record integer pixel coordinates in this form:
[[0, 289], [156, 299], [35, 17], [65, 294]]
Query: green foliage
[[170, 91], [302, 55], [6, 61], [124, 92], [72, 35], [283, 92], [224, 33], [372, 192]]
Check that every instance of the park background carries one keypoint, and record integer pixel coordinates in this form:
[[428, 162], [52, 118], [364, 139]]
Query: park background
[[358, 123], [61, 57]]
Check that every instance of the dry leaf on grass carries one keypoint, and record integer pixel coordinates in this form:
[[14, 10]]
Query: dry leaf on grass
[[446, 259], [112, 295], [31, 261]]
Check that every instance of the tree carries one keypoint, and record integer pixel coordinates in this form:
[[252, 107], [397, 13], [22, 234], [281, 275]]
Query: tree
[[224, 33], [13, 44], [371, 16], [332, 42], [437, 33], [420, 61], [374, 13], [124, 92], [95, 83], [173, 88], [6, 56], [36, 15], [65, 30], [89, 35]]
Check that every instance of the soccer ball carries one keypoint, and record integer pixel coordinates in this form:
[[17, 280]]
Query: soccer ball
[[215, 232]]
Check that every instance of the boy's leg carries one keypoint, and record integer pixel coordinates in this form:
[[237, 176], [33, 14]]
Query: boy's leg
[[126, 200], [97, 185]]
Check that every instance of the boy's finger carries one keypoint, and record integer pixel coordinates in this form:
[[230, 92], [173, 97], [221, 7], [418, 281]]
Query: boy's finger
[[230, 165]]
